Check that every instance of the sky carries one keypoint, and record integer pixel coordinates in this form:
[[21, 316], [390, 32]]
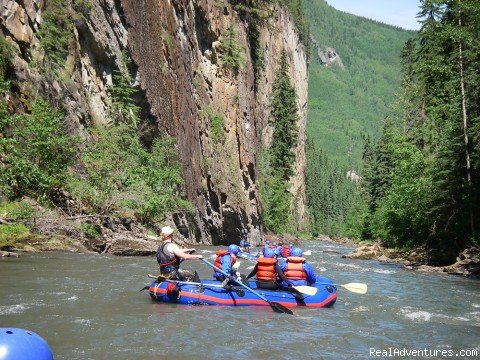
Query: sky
[[400, 13]]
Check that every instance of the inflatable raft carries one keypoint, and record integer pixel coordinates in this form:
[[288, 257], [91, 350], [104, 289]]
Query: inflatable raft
[[211, 292]]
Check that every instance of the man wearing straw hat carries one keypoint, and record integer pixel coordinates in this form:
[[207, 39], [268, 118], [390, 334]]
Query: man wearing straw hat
[[170, 255]]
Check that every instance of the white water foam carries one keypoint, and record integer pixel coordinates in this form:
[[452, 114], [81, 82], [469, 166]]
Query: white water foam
[[85, 322], [352, 266], [475, 315], [13, 309], [476, 306], [416, 315], [72, 298], [459, 318], [384, 271], [427, 316], [360, 309]]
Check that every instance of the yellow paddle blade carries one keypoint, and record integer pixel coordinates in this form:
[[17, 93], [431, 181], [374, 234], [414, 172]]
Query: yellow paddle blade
[[358, 288], [236, 265], [307, 253]]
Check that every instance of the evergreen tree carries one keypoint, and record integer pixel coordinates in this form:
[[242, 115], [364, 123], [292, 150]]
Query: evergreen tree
[[231, 51], [422, 181], [330, 194], [283, 118]]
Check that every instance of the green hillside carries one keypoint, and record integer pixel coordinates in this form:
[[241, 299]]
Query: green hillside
[[346, 104]]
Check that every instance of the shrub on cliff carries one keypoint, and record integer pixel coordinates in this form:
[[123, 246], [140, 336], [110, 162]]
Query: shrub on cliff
[[34, 152], [231, 51], [217, 124], [122, 175], [6, 55], [55, 33]]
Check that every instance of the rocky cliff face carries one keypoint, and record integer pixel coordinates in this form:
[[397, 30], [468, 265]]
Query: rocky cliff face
[[175, 47]]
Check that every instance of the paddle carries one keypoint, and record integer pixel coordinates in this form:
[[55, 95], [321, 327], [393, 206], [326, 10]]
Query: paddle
[[274, 305], [184, 282], [357, 288], [307, 253], [307, 290]]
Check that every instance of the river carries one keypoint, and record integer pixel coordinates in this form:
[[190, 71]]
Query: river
[[88, 306]]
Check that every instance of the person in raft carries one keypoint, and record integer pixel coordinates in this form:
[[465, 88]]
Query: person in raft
[[266, 245], [225, 261], [297, 270], [285, 250], [170, 255], [244, 246], [269, 274]]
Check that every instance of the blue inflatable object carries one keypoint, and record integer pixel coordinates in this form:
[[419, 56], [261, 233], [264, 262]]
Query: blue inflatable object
[[211, 292], [21, 344]]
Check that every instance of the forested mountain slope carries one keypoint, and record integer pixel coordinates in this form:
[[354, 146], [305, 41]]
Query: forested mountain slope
[[346, 104]]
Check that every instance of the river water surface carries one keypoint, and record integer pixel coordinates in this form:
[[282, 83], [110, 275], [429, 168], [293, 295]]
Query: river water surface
[[89, 307]]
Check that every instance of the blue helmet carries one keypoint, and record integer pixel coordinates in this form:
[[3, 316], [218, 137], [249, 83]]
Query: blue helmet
[[242, 243], [267, 241], [269, 253], [233, 249], [296, 252]]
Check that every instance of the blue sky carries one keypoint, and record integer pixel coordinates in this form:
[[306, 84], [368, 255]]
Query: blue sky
[[394, 12]]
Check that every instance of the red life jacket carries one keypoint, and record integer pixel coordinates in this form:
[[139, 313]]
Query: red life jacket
[[294, 269], [266, 269], [285, 251], [222, 253]]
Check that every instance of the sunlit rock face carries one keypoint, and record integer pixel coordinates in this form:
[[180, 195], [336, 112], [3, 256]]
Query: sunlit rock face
[[175, 48]]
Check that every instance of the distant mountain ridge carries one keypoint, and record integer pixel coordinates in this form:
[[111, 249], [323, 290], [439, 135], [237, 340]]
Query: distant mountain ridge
[[345, 105]]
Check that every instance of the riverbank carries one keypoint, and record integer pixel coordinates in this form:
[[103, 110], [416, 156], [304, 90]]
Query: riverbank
[[467, 262], [27, 226]]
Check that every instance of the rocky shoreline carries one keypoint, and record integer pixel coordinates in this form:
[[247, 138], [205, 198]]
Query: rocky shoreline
[[467, 262], [83, 234]]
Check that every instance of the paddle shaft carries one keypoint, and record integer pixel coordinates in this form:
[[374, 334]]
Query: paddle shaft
[[331, 284], [187, 282], [236, 281], [327, 284]]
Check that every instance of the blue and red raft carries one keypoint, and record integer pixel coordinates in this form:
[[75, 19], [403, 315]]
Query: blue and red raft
[[211, 292]]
